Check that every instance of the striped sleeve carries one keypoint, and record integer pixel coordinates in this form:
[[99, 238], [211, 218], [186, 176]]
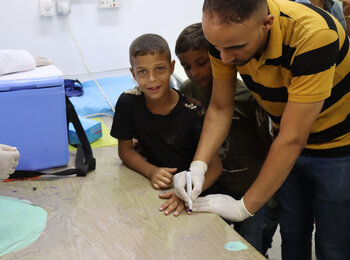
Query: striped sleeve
[[219, 69], [313, 67]]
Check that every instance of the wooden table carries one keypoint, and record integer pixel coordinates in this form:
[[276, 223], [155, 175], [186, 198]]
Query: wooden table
[[113, 214]]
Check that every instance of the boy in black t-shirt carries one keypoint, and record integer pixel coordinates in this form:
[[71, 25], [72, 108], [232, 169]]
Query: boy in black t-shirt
[[166, 124]]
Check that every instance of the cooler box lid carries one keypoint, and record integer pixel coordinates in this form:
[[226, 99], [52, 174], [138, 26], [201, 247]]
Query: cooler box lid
[[41, 77]]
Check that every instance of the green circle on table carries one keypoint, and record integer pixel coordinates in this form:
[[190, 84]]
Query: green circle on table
[[21, 224], [235, 246]]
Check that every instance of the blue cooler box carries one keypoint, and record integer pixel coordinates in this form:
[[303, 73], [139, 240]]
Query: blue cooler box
[[33, 119]]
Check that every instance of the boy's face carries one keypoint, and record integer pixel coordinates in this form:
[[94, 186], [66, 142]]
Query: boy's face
[[197, 66], [152, 73]]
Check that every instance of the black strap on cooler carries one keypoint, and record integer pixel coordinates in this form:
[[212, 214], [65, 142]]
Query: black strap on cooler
[[84, 161]]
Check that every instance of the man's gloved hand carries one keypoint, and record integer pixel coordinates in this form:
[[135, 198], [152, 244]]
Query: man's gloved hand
[[222, 205], [197, 169], [8, 160]]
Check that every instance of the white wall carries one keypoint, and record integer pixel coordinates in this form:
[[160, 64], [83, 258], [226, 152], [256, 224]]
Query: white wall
[[104, 35]]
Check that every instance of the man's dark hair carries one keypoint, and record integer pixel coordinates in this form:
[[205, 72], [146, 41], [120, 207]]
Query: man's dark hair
[[148, 44], [232, 11], [191, 38]]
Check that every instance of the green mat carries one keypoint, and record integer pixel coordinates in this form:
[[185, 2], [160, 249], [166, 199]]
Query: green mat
[[105, 140]]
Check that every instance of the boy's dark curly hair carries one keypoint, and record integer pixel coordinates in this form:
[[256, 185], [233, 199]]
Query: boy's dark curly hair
[[191, 38], [148, 44]]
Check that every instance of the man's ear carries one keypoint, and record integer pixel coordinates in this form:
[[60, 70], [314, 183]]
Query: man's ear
[[132, 72], [172, 66], [268, 21]]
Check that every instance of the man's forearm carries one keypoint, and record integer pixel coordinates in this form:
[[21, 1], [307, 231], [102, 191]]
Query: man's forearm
[[277, 166], [296, 124], [213, 173]]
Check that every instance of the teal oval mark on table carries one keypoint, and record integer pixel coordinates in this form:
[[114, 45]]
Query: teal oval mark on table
[[235, 246], [21, 224]]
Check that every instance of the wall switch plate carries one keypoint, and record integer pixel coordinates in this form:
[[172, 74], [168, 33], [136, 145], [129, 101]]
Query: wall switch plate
[[109, 3], [63, 7], [47, 7]]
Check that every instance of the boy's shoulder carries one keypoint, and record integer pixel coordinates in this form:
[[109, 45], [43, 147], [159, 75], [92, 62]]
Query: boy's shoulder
[[192, 104], [246, 106], [188, 85], [130, 95], [191, 89], [243, 94], [136, 91]]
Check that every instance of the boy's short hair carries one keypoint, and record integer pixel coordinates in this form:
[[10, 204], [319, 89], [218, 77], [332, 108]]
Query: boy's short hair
[[191, 38], [232, 11], [148, 44]]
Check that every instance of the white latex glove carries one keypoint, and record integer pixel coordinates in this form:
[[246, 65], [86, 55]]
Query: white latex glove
[[197, 169], [8, 160], [222, 205]]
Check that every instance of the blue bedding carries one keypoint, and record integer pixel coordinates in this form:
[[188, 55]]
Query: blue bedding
[[93, 102]]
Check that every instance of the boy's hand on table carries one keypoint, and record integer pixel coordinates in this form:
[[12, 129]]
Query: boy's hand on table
[[8, 160], [174, 203], [162, 178], [223, 205]]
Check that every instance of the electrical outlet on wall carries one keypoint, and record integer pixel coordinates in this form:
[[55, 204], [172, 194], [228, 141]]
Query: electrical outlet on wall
[[63, 7], [108, 3], [46, 8]]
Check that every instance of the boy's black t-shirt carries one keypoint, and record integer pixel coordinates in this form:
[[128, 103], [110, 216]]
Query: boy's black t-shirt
[[166, 140]]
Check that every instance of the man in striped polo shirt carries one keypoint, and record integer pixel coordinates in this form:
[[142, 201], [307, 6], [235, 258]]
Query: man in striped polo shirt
[[295, 60]]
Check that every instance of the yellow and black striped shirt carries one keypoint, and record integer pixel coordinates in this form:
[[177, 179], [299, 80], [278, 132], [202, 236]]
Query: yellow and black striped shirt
[[307, 60]]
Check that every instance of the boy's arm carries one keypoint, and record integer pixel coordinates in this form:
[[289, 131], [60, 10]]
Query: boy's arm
[[160, 177]]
